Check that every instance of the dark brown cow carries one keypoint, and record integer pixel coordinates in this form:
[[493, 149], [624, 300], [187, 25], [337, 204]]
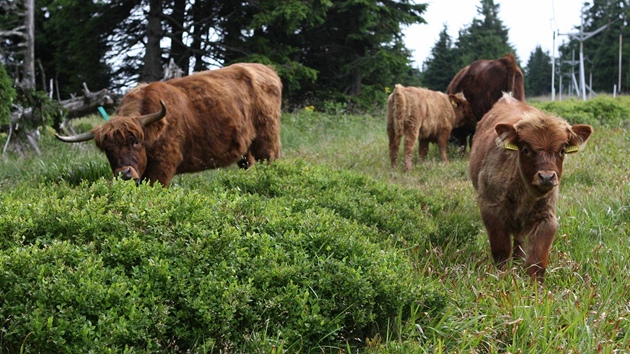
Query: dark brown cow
[[206, 120], [483, 83], [423, 115], [516, 166]]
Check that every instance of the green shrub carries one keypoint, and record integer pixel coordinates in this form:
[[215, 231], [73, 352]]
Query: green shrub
[[286, 255], [600, 111]]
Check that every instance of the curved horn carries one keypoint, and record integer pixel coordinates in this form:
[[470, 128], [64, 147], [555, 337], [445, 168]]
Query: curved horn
[[153, 117], [76, 138]]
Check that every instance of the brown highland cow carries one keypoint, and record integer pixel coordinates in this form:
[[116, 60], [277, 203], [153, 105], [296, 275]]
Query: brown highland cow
[[516, 166], [207, 120]]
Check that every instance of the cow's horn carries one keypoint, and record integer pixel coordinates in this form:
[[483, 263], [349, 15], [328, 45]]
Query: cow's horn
[[153, 117], [76, 138]]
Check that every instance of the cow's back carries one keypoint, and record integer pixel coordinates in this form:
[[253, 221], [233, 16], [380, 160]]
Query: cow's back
[[484, 81]]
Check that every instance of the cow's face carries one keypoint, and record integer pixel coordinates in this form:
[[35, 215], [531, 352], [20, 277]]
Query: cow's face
[[541, 146], [122, 140], [463, 111]]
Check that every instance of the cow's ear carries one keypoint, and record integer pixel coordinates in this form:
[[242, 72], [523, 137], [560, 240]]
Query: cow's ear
[[578, 136], [506, 136], [455, 99]]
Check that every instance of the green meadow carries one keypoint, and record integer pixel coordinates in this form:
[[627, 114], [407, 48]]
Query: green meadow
[[328, 250]]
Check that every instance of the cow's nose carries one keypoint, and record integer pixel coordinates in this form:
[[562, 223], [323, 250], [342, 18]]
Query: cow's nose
[[126, 174], [547, 178]]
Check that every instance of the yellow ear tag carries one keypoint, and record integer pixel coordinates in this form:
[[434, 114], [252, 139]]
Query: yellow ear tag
[[572, 148], [508, 145]]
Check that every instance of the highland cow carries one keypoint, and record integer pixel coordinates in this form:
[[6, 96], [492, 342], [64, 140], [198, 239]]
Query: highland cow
[[516, 167], [483, 83], [207, 120]]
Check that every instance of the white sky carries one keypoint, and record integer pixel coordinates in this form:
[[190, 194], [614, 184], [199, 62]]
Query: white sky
[[530, 23]]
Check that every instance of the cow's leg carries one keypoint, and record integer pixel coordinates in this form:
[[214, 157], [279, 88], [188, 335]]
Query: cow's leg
[[518, 252], [423, 149], [159, 172], [458, 136], [499, 237], [411, 136], [394, 144], [442, 144], [267, 145], [539, 246], [246, 161]]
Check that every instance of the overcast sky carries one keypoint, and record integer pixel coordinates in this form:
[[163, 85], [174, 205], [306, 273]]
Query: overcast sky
[[530, 23]]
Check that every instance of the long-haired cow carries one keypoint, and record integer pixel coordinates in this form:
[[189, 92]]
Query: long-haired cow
[[424, 115], [516, 166], [483, 83], [203, 121]]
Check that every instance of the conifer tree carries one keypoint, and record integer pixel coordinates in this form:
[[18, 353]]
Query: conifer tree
[[538, 73], [442, 64], [602, 50], [485, 38]]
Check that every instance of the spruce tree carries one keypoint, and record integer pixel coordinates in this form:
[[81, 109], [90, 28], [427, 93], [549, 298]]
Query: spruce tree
[[602, 51], [441, 65], [538, 73], [485, 38]]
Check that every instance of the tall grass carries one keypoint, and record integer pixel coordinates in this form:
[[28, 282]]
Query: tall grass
[[584, 305]]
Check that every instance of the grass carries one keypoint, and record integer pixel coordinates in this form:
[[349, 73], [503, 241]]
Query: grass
[[584, 305]]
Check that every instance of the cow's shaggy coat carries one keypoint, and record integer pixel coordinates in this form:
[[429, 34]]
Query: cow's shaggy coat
[[423, 115], [209, 119], [516, 167], [483, 83]]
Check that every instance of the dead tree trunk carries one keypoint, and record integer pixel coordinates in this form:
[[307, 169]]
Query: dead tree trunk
[[75, 107]]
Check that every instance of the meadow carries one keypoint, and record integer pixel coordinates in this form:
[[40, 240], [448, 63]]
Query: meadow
[[328, 249]]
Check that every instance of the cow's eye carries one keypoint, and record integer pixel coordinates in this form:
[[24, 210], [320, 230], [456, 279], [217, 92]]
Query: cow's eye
[[132, 141], [526, 151]]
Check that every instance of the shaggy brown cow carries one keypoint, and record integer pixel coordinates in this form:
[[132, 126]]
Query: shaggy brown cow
[[424, 115], [516, 166], [206, 120], [483, 83]]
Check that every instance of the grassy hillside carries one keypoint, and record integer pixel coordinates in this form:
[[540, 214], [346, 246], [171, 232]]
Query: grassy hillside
[[327, 250]]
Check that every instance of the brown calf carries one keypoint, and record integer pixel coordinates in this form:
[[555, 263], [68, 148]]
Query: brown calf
[[424, 115], [516, 166]]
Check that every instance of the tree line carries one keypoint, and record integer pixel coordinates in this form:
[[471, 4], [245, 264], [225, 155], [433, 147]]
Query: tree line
[[486, 37], [323, 50], [347, 51]]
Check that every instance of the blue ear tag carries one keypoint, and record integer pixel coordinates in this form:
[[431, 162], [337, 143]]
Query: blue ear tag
[[103, 113]]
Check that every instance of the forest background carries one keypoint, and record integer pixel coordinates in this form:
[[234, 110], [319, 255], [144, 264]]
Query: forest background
[[340, 53]]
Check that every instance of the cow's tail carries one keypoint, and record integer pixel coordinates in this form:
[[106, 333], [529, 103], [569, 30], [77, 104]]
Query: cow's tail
[[398, 109]]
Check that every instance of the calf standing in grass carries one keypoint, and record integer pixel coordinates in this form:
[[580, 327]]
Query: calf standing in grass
[[424, 115], [516, 165]]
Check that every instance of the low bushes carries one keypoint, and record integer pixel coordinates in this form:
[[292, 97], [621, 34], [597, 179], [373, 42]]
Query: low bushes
[[599, 111], [288, 256]]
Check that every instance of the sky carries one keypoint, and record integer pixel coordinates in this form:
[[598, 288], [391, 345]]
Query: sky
[[530, 24]]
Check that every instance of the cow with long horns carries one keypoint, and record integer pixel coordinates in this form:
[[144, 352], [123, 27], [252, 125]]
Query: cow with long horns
[[207, 120]]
